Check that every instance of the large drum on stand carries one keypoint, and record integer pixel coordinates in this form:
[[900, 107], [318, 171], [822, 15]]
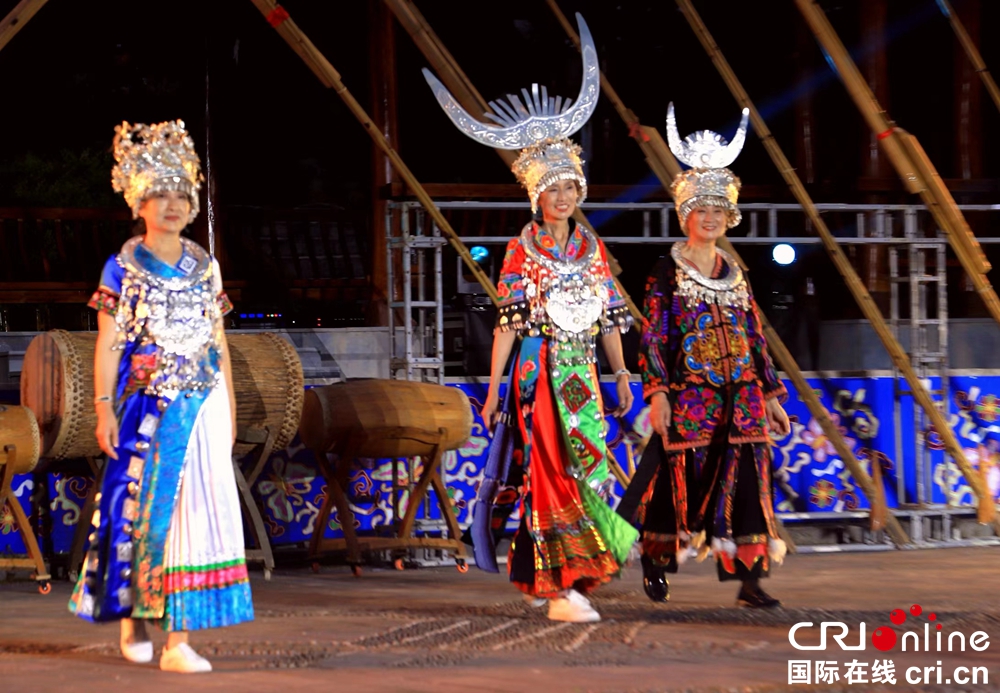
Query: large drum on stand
[[19, 446], [385, 418], [57, 384]]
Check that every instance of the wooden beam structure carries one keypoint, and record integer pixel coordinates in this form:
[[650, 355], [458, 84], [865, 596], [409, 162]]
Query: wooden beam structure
[[855, 285], [665, 166], [969, 46], [278, 17], [382, 76], [17, 18], [455, 79]]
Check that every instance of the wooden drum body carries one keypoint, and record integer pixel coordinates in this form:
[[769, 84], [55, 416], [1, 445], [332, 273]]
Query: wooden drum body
[[57, 384], [268, 382], [19, 428], [373, 418]]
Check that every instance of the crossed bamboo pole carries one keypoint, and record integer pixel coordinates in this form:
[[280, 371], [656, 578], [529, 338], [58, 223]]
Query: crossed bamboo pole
[[854, 283], [971, 50], [665, 166], [453, 77], [17, 18]]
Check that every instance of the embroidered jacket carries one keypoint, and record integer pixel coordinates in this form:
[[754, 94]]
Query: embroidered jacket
[[707, 353], [570, 296], [167, 333]]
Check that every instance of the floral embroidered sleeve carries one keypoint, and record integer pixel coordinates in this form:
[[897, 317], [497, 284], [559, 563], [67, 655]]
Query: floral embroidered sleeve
[[105, 299], [763, 363], [512, 313], [617, 314], [657, 350]]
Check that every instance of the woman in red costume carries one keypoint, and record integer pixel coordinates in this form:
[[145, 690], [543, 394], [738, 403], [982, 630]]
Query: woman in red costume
[[557, 296]]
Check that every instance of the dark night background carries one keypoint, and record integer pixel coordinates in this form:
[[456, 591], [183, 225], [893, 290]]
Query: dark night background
[[282, 141]]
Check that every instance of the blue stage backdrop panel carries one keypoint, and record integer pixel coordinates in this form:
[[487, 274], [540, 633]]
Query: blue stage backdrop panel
[[809, 474]]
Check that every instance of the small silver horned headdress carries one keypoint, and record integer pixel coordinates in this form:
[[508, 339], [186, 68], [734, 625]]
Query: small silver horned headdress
[[709, 182], [539, 126]]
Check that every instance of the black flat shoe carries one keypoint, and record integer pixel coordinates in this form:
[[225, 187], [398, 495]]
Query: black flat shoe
[[756, 599], [654, 581]]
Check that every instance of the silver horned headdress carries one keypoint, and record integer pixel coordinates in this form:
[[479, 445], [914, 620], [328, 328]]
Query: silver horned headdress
[[155, 158], [539, 126], [708, 182]]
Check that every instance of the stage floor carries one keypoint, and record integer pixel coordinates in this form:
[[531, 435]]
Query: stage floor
[[437, 630]]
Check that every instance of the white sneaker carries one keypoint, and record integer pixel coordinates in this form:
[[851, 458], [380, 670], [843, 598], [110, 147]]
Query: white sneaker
[[183, 660], [573, 608], [534, 602], [137, 652]]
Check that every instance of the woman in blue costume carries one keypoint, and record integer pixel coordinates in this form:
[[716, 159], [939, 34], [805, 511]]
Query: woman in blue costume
[[167, 540]]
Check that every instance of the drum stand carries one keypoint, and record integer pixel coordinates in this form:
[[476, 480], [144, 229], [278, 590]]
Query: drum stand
[[35, 559], [336, 483], [263, 441]]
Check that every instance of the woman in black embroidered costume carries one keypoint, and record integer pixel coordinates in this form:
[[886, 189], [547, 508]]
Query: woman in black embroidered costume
[[705, 479]]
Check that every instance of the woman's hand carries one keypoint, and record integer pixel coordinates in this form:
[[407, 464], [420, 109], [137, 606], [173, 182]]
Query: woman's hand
[[107, 430], [489, 411], [625, 396], [659, 413], [777, 419]]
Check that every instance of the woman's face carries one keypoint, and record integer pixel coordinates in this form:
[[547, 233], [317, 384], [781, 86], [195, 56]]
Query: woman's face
[[558, 201], [706, 224], [166, 211]]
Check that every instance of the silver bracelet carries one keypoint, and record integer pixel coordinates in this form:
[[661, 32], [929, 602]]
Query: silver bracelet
[[102, 398], [622, 371]]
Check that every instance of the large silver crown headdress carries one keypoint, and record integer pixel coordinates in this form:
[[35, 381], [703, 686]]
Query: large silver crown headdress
[[155, 158], [540, 125], [709, 182]]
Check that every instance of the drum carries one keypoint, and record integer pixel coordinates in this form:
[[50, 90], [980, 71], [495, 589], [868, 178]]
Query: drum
[[19, 428], [57, 384], [371, 418], [269, 387]]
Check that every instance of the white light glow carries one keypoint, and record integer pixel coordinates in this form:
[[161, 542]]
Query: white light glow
[[783, 254]]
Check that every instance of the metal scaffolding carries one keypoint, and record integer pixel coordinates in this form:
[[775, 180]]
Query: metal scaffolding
[[416, 300], [926, 286]]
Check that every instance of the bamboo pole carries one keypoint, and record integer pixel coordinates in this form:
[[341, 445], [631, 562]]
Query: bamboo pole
[[453, 77], [665, 166], [913, 165], [17, 18], [854, 283], [279, 18], [971, 50]]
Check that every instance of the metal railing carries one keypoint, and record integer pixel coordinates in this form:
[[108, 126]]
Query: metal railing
[[853, 224]]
